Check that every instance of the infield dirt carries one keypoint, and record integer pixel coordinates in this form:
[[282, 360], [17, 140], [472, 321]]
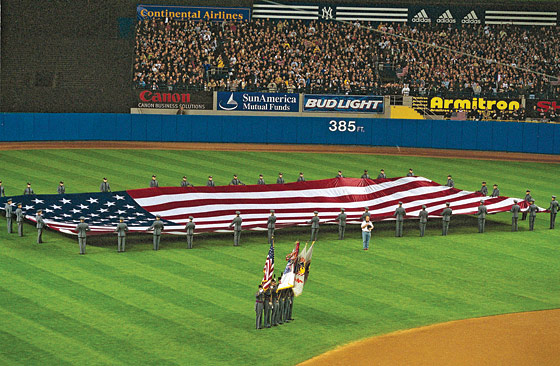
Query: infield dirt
[[520, 339]]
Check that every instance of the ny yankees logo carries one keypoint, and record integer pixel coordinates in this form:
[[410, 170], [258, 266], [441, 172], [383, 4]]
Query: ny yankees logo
[[327, 13]]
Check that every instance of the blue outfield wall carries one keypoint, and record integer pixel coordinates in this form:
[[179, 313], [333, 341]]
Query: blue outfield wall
[[484, 135]]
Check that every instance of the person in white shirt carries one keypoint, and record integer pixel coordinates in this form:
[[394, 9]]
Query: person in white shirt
[[367, 226], [406, 90]]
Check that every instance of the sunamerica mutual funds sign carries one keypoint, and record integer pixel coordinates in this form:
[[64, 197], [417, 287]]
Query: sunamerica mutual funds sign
[[258, 102]]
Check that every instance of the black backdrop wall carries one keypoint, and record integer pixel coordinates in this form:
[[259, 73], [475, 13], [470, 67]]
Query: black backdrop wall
[[68, 55]]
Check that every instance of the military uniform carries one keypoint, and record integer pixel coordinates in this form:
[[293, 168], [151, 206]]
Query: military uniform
[[82, 228], [282, 304], [533, 209], [514, 215], [484, 190], [9, 214], [267, 307], [482, 212], [341, 218], [185, 183], [423, 220], [61, 189], [365, 175], [553, 208], [366, 213], [314, 226], [2, 192], [410, 173], [210, 182], [189, 227], [105, 187], [339, 175], [289, 304], [157, 227], [40, 225], [450, 182], [28, 191], [121, 231], [280, 179], [259, 299], [271, 225], [275, 303], [154, 183], [261, 180], [301, 178], [19, 220], [236, 182], [236, 225], [495, 192], [400, 213], [528, 199], [446, 213], [382, 175]]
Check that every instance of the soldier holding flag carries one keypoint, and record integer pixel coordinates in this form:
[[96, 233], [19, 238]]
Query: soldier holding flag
[[259, 299]]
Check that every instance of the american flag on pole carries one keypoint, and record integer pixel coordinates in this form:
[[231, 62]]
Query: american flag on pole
[[268, 267], [214, 208]]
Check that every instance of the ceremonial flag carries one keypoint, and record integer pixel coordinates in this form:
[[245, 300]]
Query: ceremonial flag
[[288, 276], [299, 278], [213, 207], [268, 267]]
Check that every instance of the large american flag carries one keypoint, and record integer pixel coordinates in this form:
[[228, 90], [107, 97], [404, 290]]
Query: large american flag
[[214, 208], [268, 267]]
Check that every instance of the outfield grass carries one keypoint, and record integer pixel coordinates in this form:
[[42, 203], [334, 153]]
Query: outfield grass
[[187, 307]]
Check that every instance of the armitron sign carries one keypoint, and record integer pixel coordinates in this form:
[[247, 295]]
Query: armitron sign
[[481, 104], [174, 100]]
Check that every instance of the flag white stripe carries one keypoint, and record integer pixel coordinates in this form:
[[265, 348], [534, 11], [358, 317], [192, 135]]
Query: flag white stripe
[[158, 199]]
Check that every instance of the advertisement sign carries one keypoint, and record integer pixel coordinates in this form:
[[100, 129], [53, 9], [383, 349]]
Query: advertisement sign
[[258, 102], [211, 14], [438, 104], [543, 108], [452, 15], [343, 103], [174, 100]]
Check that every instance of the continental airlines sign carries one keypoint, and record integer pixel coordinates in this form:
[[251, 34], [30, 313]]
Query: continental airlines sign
[[191, 13], [438, 104]]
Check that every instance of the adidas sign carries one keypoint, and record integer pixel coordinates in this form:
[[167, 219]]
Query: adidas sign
[[446, 18], [421, 17], [471, 18]]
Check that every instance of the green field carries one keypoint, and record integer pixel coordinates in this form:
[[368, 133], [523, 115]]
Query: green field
[[194, 307]]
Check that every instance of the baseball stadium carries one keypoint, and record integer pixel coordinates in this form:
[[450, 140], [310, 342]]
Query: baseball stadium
[[278, 182]]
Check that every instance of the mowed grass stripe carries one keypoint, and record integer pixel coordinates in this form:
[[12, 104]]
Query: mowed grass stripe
[[137, 329], [26, 326], [78, 317], [166, 315]]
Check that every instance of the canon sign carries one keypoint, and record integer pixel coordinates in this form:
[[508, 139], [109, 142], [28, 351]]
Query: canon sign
[[149, 96], [169, 100]]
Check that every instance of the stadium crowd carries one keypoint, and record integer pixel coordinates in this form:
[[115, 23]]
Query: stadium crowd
[[334, 57]]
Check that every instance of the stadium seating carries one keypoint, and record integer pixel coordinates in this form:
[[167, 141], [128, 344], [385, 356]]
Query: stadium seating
[[341, 58]]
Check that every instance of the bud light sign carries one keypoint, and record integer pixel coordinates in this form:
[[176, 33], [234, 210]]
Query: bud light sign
[[343, 103]]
